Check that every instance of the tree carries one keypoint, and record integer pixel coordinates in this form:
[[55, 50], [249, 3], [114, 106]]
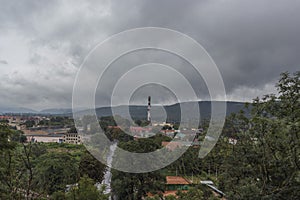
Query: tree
[[136, 186], [86, 191], [16, 166], [18, 136], [29, 123], [91, 167], [5, 135], [198, 193], [54, 171], [7, 174], [266, 159]]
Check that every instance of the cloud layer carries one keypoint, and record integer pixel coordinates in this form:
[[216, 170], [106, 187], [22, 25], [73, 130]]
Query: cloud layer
[[43, 43]]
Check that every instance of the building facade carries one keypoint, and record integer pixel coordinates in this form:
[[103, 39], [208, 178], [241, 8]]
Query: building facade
[[72, 138]]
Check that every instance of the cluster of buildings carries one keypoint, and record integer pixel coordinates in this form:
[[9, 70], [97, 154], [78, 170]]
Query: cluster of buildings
[[39, 133], [19, 120], [181, 137], [57, 135]]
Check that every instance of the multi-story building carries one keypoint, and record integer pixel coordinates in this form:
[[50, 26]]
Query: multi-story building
[[72, 138]]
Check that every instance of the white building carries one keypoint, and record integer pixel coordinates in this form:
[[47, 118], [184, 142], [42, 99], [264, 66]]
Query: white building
[[57, 138]]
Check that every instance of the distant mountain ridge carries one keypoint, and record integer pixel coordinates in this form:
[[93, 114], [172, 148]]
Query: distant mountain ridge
[[16, 110], [21, 110], [54, 111], [171, 112]]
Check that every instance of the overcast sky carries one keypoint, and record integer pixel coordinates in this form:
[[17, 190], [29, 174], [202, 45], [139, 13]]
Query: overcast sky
[[43, 43]]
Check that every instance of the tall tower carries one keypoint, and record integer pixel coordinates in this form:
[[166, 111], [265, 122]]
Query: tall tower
[[148, 110]]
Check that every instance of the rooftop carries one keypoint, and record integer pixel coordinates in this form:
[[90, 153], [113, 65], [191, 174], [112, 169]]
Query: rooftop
[[177, 180]]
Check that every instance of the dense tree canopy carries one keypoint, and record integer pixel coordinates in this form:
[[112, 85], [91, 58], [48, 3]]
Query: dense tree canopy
[[55, 171], [265, 162], [91, 167], [136, 186]]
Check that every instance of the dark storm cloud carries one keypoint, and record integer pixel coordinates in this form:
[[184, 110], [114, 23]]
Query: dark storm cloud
[[252, 42]]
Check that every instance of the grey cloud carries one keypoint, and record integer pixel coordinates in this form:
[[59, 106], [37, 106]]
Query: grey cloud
[[252, 42], [3, 62]]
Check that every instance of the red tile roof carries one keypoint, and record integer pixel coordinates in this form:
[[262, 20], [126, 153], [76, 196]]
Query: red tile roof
[[177, 180]]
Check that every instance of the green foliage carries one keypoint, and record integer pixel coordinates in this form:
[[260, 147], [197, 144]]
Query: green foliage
[[118, 134], [4, 121], [264, 164], [91, 167], [156, 197], [171, 197], [86, 190], [16, 170], [136, 186], [60, 195], [54, 171], [5, 134], [57, 121], [199, 193], [37, 169], [18, 136], [14, 165], [266, 159], [6, 148], [187, 164], [141, 123], [29, 123]]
